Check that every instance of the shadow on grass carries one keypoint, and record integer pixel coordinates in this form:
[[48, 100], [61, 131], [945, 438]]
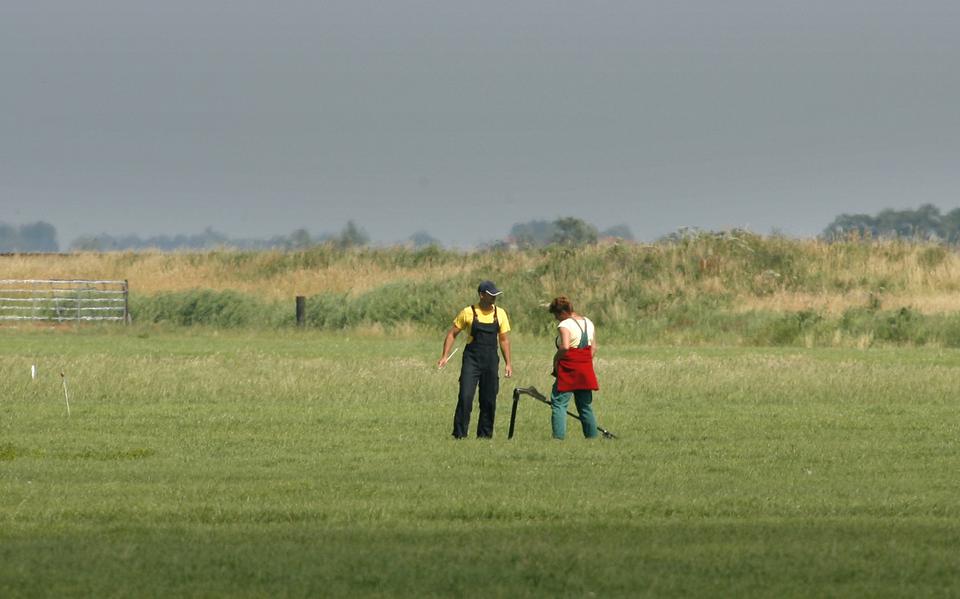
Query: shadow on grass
[[873, 557]]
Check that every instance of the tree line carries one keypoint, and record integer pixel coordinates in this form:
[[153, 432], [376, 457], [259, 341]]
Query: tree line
[[42, 237], [351, 235], [926, 223]]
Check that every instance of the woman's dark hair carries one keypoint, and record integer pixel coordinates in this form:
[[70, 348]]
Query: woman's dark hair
[[560, 304]]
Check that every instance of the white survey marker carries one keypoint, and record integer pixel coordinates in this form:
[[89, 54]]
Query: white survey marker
[[448, 357]]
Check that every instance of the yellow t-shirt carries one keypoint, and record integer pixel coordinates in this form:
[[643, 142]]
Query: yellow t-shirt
[[465, 318]]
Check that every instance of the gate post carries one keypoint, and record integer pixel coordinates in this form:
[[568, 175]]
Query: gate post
[[126, 302]]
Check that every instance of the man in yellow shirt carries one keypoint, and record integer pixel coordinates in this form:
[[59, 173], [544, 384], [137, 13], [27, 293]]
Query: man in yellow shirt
[[488, 325]]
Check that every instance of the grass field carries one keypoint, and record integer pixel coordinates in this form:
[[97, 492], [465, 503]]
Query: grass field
[[305, 464]]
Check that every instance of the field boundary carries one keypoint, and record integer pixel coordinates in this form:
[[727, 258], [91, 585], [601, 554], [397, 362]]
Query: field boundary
[[63, 300]]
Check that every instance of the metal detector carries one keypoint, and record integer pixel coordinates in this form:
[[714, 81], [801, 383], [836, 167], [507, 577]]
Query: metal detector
[[532, 392]]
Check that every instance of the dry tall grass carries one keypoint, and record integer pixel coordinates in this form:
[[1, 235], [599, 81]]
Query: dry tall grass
[[155, 272], [751, 272]]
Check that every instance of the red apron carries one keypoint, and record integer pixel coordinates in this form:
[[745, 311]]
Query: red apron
[[575, 370]]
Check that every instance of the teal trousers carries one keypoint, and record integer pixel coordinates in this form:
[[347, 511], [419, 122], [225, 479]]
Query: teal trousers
[[559, 402]]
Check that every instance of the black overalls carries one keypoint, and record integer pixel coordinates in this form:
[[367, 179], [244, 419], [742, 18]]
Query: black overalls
[[481, 364]]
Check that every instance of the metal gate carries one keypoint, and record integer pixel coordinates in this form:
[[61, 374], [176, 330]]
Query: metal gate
[[63, 300]]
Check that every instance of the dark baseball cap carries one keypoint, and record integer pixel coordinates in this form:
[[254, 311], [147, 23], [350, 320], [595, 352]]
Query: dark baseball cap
[[489, 288]]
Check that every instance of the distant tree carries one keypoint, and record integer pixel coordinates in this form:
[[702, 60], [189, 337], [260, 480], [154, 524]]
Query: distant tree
[[300, 239], [87, 243], [297, 240], [39, 237], [926, 222], [951, 226], [573, 231], [565, 231], [862, 225], [105, 242], [9, 238], [422, 239], [534, 233], [923, 222], [618, 232], [35, 237], [211, 238], [352, 236]]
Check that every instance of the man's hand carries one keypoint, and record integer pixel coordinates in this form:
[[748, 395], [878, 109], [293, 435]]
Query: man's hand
[[446, 354], [505, 350]]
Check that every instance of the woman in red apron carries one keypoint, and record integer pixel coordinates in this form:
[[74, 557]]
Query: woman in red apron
[[573, 367]]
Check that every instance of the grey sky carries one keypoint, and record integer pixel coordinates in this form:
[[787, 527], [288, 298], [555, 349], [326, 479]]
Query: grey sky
[[462, 118]]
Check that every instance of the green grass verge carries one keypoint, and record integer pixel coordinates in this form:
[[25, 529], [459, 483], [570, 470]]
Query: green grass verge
[[432, 307]]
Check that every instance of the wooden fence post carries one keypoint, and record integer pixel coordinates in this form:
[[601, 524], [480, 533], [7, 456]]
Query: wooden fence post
[[301, 310]]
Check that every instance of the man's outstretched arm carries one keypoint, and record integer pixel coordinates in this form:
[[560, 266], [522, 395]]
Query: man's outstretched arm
[[447, 344]]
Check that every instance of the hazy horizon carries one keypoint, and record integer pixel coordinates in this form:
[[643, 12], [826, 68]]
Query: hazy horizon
[[318, 237], [462, 119]]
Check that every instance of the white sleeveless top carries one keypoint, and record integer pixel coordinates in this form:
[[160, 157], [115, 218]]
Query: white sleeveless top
[[576, 331]]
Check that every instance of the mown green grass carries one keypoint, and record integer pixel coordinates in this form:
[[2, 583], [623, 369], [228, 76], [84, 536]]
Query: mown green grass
[[205, 463]]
